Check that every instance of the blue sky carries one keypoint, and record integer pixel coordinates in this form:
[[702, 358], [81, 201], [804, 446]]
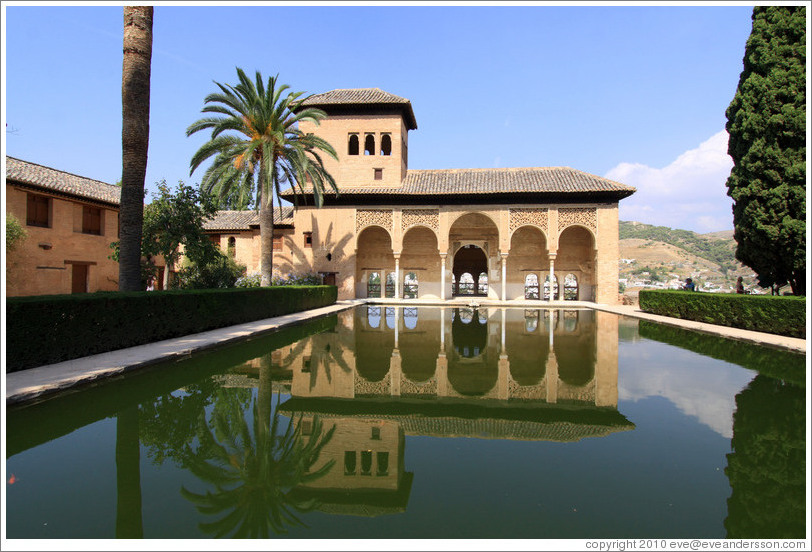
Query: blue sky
[[634, 93]]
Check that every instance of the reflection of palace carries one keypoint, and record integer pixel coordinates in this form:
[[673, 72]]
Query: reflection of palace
[[389, 372]]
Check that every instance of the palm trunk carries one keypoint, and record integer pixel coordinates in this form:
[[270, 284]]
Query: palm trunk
[[134, 141], [265, 230]]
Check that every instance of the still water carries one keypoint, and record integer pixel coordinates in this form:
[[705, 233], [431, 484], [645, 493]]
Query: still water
[[393, 422]]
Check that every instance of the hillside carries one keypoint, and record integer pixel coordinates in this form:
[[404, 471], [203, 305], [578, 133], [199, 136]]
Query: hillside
[[661, 256]]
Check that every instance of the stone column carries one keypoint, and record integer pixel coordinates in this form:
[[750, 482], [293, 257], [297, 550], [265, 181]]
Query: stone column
[[552, 276], [503, 378], [397, 325], [442, 276], [552, 365], [395, 372], [504, 276], [397, 276]]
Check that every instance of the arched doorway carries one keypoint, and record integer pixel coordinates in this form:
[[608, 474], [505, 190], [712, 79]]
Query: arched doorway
[[470, 260], [374, 261]]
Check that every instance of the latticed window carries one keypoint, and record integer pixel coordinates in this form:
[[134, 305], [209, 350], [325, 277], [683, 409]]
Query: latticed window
[[410, 286], [570, 287], [531, 286], [374, 285], [547, 287]]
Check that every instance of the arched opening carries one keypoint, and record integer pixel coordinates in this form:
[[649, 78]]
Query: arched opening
[[353, 146], [391, 318], [472, 371], [369, 145], [419, 346], [474, 243], [570, 287], [470, 260], [410, 285], [374, 255], [528, 256], [531, 286], [420, 255], [386, 145], [526, 346], [232, 247], [576, 347], [373, 344], [547, 287], [576, 256]]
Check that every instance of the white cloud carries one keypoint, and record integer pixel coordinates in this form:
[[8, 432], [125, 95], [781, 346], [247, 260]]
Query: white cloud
[[689, 193]]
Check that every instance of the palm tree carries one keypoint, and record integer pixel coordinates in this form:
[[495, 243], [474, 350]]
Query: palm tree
[[134, 141], [257, 145]]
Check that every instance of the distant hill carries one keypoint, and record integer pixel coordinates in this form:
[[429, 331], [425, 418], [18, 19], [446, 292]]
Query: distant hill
[[660, 255]]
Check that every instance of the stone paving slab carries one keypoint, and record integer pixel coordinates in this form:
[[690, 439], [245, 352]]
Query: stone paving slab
[[28, 385]]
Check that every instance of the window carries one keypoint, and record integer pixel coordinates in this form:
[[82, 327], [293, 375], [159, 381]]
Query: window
[[215, 239], [547, 287], [350, 460], [369, 144], [39, 208], [277, 243], [383, 463], [374, 285], [232, 246], [366, 462], [353, 145], [378, 174], [410, 286], [570, 287], [386, 145], [376, 433], [482, 283], [91, 220], [531, 286], [308, 239]]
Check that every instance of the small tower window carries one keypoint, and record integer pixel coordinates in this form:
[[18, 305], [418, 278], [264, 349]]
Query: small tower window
[[353, 146], [308, 239], [378, 174], [369, 144], [386, 145]]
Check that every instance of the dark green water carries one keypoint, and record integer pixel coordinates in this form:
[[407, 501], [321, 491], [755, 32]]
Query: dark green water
[[426, 423]]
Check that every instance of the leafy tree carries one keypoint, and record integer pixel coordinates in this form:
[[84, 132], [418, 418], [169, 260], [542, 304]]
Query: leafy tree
[[134, 140], [257, 146], [15, 232], [767, 127]]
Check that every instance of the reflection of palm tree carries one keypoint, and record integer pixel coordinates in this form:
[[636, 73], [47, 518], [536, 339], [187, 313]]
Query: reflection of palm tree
[[254, 472]]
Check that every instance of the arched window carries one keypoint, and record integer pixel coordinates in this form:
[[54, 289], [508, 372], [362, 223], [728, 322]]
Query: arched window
[[353, 146], [374, 285], [547, 287], [570, 287], [390, 318], [386, 145], [570, 320], [482, 283], [369, 144], [531, 286], [390, 284], [410, 286], [466, 286], [232, 246]]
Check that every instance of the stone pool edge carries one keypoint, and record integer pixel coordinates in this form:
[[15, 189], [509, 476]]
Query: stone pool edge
[[35, 383]]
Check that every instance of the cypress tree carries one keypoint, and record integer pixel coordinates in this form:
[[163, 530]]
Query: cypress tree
[[767, 125]]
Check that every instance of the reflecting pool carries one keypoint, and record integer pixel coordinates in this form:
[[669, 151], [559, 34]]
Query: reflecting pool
[[424, 422]]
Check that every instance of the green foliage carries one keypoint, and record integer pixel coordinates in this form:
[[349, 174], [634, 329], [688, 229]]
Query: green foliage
[[15, 233], [216, 271], [73, 326], [766, 468], [767, 125], [257, 148], [762, 313], [717, 251]]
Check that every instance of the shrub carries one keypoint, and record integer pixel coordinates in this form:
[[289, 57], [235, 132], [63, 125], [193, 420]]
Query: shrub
[[73, 326], [249, 281], [762, 313], [15, 233], [221, 271]]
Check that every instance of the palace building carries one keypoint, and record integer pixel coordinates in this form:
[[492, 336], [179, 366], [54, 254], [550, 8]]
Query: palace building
[[437, 234]]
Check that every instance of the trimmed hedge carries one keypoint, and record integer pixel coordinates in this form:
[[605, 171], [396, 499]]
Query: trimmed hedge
[[54, 328], [774, 314]]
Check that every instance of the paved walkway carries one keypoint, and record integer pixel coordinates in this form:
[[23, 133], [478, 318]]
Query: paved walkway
[[28, 385]]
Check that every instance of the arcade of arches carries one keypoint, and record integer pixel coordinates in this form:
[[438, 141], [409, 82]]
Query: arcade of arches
[[497, 253]]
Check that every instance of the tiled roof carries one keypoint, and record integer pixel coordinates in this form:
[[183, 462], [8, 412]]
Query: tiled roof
[[61, 182], [362, 96], [244, 220], [494, 182]]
